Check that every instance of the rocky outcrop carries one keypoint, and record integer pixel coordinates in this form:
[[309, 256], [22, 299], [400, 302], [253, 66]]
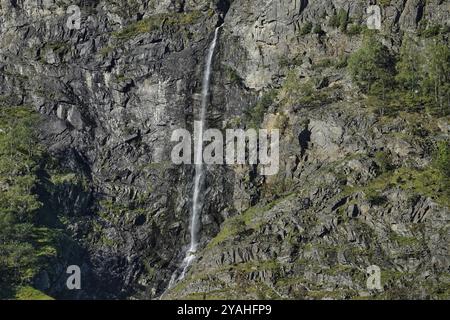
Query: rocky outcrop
[[325, 228]]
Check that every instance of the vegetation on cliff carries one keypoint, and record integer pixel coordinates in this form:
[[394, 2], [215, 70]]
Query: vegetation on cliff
[[416, 79], [26, 243]]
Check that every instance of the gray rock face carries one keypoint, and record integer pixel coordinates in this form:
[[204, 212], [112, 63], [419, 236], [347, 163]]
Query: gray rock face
[[111, 94]]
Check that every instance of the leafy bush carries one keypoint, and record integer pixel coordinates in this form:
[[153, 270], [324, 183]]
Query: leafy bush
[[156, 21], [29, 293], [339, 20], [409, 66], [430, 31], [302, 94], [372, 67], [318, 30], [255, 115], [306, 29], [383, 162], [418, 78]]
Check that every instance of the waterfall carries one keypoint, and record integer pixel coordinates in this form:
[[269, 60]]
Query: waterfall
[[197, 203], [199, 166]]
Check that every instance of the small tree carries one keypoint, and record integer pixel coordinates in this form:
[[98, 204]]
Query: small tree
[[372, 67], [437, 75], [409, 66]]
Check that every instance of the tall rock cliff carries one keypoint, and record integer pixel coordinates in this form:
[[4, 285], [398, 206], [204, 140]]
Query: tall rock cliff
[[355, 186]]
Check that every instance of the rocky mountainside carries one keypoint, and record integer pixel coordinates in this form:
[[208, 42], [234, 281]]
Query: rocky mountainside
[[361, 179]]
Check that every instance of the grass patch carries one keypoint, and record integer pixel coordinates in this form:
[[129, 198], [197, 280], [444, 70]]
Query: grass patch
[[429, 182], [155, 22], [237, 224], [60, 179], [30, 293], [303, 93]]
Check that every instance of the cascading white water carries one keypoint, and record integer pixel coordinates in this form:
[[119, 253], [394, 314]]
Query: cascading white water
[[197, 203]]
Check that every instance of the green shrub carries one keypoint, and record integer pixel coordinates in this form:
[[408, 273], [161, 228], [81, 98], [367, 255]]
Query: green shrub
[[384, 3], [430, 31], [318, 30], [156, 21], [341, 62], [255, 115], [354, 29], [339, 20], [232, 75], [409, 66], [428, 182], [306, 29], [442, 158], [302, 94], [372, 67], [383, 161]]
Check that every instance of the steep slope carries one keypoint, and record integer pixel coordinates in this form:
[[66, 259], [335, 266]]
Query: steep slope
[[111, 93], [356, 188]]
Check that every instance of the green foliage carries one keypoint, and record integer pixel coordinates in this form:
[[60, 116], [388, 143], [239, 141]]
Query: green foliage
[[318, 30], [431, 31], [422, 80], [418, 78], [306, 28], [428, 182], [372, 67], [303, 93], [384, 3], [383, 161], [339, 20], [69, 179], [341, 62], [155, 22], [436, 82], [232, 75], [255, 115], [19, 156], [354, 30], [24, 245], [409, 66], [442, 159], [29, 293]]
